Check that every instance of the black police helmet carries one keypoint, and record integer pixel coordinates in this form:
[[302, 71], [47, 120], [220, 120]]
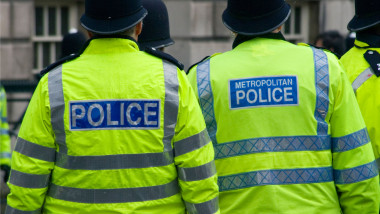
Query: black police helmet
[[72, 43], [367, 14], [255, 17], [112, 16], [156, 30]]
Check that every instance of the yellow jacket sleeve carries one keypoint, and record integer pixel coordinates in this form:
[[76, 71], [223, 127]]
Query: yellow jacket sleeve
[[5, 143], [33, 156], [194, 154], [355, 171]]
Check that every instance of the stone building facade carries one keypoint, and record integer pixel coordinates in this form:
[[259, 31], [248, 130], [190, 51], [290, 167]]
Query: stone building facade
[[31, 31]]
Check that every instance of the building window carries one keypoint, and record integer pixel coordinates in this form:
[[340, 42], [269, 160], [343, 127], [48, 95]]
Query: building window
[[296, 29], [52, 21]]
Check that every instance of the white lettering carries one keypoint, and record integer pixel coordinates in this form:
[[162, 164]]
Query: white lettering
[[277, 100], [148, 113], [129, 118], [89, 114], [239, 96], [238, 85], [74, 115], [287, 94], [261, 100], [122, 114], [249, 97], [109, 119]]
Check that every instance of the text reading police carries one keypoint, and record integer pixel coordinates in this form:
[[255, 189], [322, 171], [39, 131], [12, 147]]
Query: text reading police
[[115, 114], [263, 91]]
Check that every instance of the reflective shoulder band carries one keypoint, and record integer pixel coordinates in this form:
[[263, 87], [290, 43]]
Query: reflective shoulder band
[[362, 78], [322, 83], [57, 107], [171, 104], [34, 150], [206, 98], [27, 180], [101, 196]]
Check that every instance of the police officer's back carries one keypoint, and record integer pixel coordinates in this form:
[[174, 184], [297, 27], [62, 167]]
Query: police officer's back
[[362, 65], [114, 130], [287, 131]]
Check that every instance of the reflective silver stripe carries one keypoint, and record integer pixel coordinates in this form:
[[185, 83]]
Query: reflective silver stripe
[[4, 119], [100, 196], [125, 161], [171, 104], [191, 143], [5, 155], [356, 174], [275, 177], [322, 83], [208, 207], [34, 150], [362, 78], [272, 144], [206, 98], [27, 180], [57, 106], [11, 210], [197, 173], [351, 141], [4, 131]]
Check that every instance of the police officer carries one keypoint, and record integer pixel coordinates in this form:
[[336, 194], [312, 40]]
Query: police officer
[[287, 132], [362, 64], [156, 30], [5, 142], [113, 129]]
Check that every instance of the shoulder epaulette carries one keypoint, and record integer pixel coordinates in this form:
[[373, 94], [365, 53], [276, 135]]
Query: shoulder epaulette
[[373, 59], [164, 56], [58, 63]]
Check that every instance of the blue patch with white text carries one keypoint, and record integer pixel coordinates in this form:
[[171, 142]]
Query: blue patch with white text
[[114, 114], [263, 92]]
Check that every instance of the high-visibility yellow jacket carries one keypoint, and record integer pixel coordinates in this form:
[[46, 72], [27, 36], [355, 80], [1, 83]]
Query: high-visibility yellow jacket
[[115, 130], [287, 131], [5, 143], [366, 86]]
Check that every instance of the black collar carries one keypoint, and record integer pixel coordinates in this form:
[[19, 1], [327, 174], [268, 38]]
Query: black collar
[[241, 38], [372, 40]]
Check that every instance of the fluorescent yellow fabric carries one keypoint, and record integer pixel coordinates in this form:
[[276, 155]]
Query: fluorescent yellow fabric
[[368, 93], [268, 174], [112, 69], [5, 143]]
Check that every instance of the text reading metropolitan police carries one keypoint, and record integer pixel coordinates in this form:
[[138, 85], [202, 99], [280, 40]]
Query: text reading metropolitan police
[[115, 114], [263, 91]]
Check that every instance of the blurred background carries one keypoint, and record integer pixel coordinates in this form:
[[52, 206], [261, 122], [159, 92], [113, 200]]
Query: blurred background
[[31, 33]]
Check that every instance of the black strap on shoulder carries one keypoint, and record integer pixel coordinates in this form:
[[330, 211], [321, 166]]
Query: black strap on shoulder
[[164, 56], [58, 63], [196, 64], [373, 59]]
